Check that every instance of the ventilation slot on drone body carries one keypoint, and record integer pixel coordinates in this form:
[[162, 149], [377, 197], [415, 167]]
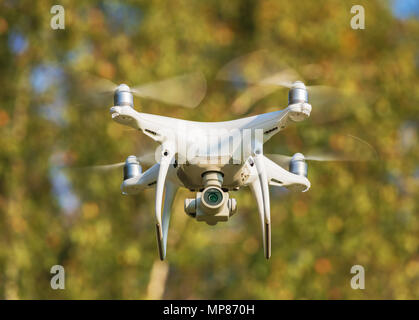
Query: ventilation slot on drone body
[[151, 132], [277, 181], [271, 130]]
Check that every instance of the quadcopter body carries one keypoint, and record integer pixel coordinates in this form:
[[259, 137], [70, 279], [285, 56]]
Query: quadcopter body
[[212, 159]]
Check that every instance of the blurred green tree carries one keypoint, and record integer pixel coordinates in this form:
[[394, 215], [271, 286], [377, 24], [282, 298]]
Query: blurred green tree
[[363, 214]]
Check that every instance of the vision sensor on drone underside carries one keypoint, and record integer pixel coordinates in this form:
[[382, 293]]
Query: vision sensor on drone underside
[[212, 159]]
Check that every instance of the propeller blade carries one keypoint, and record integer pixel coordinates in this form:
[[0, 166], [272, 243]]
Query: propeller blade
[[106, 167], [285, 78], [265, 74], [186, 90], [90, 91], [330, 158], [251, 69], [284, 160], [250, 96], [101, 85], [319, 96], [360, 151], [147, 159], [264, 88]]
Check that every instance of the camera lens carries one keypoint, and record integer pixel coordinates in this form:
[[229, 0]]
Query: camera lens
[[213, 196]]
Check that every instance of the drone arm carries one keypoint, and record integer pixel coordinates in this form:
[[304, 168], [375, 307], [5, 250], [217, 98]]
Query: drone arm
[[273, 122], [278, 176], [153, 126], [145, 180]]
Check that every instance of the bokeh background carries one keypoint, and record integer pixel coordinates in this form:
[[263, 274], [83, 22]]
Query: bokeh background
[[355, 213]]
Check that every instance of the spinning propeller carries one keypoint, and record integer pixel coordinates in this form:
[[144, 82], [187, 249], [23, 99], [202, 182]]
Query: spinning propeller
[[284, 161], [264, 74], [186, 90], [361, 151], [148, 159]]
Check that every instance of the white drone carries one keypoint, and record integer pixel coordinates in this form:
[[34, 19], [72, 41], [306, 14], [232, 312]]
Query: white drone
[[212, 159]]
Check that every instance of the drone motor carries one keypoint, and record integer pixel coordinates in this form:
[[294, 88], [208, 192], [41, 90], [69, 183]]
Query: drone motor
[[298, 165], [132, 168], [123, 96], [298, 93]]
